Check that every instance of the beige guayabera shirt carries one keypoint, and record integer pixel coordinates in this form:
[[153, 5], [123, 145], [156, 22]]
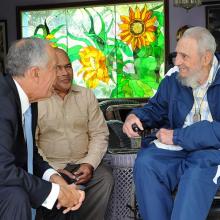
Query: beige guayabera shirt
[[72, 130]]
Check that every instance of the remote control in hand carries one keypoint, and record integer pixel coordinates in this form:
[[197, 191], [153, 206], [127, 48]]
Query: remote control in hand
[[135, 128]]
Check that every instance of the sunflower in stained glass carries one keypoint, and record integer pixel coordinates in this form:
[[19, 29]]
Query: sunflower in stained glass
[[138, 28], [94, 67]]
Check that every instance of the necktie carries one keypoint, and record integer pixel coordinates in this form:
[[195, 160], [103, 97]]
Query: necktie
[[29, 141], [29, 138]]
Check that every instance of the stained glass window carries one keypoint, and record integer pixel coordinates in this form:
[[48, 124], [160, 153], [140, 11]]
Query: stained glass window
[[116, 50]]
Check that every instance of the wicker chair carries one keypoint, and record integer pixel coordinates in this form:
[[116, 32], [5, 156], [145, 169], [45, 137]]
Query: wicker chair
[[105, 104], [120, 111], [121, 156]]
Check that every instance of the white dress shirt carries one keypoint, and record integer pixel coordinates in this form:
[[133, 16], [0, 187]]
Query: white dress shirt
[[52, 197]]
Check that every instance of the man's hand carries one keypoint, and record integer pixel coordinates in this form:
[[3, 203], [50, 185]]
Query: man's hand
[[127, 127], [165, 136], [84, 173], [70, 198], [82, 197], [55, 178], [67, 173]]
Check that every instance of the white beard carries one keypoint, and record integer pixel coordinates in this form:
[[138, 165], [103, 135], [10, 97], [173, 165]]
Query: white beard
[[190, 81]]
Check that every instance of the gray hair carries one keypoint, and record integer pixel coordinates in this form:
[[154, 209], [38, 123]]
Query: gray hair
[[205, 40], [26, 53]]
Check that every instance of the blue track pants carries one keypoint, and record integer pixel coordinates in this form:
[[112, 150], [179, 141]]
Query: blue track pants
[[158, 172]]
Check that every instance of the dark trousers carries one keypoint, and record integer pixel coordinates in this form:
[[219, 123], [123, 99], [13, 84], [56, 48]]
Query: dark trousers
[[14, 204], [97, 194]]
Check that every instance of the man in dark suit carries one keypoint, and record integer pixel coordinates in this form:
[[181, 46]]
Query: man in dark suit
[[31, 73]]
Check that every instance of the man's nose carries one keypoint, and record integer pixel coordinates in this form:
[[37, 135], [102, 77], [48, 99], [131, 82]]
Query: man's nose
[[178, 60]]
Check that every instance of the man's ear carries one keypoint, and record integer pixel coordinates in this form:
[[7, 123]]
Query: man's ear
[[33, 73], [207, 58]]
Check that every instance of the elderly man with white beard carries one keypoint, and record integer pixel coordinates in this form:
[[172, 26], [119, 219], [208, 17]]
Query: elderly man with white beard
[[184, 154]]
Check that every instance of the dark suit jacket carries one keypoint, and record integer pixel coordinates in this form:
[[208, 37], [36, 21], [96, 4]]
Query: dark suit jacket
[[13, 149]]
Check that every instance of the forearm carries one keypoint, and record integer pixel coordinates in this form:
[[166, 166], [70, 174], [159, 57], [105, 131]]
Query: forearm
[[93, 160], [201, 135]]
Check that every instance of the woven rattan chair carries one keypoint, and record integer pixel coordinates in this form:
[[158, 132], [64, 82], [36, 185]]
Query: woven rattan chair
[[105, 104], [121, 156]]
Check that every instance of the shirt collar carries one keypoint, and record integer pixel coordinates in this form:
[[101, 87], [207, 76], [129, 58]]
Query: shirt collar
[[23, 98], [75, 88], [213, 70], [212, 74]]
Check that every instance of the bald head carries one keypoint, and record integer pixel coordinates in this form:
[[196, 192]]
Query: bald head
[[62, 52]]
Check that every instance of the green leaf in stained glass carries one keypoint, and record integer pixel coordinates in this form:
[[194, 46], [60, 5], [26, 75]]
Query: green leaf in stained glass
[[148, 92], [63, 46], [55, 30], [73, 53], [144, 66], [145, 51], [102, 34], [157, 7], [100, 44], [119, 61], [160, 17], [128, 62], [87, 42], [39, 36], [136, 89], [43, 27], [124, 47], [98, 39], [92, 29], [110, 26], [160, 41], [114, 93], [109, 49], [150, 80], [110, 59]]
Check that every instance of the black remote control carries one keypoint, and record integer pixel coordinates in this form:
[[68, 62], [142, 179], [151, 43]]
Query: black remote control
[[143, 133], [135, 128]]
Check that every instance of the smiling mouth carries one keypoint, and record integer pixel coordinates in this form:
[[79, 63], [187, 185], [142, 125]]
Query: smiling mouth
[[65, 80], [182, 68]]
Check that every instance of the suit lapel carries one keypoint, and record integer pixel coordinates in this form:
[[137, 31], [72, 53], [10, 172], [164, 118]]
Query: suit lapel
[[13, 87], [34, 112]]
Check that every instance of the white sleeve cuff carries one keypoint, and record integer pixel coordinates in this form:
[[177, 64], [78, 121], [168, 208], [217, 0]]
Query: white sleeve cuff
[[48, 173], [52, 197]]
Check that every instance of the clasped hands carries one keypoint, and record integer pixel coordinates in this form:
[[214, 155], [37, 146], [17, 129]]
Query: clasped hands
[[69, 196], [164, 135]]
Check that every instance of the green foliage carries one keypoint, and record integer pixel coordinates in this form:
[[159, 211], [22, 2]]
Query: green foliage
[[140, 81], [73, 53]]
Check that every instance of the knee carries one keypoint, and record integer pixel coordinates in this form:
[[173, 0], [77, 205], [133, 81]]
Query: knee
[[144, 160], [104, 176]]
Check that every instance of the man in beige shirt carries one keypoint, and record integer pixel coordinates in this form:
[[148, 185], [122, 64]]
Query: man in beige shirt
[[72, 130]]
